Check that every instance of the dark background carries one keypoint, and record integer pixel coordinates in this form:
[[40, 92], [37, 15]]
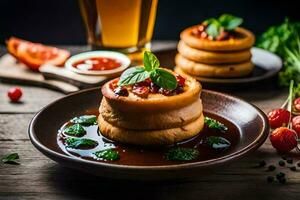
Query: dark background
[[59, 21]]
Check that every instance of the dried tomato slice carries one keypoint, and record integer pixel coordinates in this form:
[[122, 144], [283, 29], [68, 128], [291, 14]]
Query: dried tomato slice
[[34, 54]]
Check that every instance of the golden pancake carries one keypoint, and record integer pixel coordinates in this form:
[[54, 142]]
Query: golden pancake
[[210, 57], [243, 39], [151, 120], [205, 70], [153, 102], [151, 137]]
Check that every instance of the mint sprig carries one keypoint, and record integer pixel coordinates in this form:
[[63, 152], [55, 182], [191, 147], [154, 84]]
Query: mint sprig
[[159, 76], [225, 22], [12, 158]]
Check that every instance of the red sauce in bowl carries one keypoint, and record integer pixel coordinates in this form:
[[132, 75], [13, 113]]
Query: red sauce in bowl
[[97, 63]]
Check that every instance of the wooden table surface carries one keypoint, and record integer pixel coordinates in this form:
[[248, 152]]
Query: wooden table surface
[[41, 178]]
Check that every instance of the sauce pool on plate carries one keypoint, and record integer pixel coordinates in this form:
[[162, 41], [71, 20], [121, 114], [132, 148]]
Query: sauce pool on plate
[[146, 156], [97, 64]]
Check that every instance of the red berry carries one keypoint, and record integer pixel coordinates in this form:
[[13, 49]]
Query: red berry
[[296, 125], [14, 94], [283, 139], [278, 117], [180, 80], [297, 104]]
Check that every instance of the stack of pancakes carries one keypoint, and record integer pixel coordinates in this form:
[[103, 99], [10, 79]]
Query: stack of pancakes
[[228, 58], [156, 120]]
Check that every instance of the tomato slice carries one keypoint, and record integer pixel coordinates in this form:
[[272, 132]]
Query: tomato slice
[[34, 55], [13, 44]]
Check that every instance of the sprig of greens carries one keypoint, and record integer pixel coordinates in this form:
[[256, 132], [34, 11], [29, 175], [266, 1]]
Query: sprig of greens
[[75, 130], [77, 143], [216, 142], [108, 154], [214, 124], [225, 22], [159, 76], [12, 158], [284, 40], [181, 154], [85, 120]]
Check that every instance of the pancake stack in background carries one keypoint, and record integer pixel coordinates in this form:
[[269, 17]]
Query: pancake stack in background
[[226, 55]]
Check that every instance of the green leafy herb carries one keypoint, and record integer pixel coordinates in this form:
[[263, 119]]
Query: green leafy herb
[[230, 22], [159, 76], [108, 154], [133, 75], [11, 159], [181, 154], [85, 120], [75, 130], [77, 143], [214, 124], [150, 61], [225, 22], [164, 79], [284, 41], [216, 142]]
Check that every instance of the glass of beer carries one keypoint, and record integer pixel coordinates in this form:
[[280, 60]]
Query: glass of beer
[[120, 25]]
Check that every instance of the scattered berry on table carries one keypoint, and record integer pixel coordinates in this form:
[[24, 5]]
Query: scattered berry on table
[[293, 168], [14, 94]]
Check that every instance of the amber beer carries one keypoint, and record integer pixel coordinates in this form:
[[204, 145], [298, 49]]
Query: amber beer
[[123, 25]]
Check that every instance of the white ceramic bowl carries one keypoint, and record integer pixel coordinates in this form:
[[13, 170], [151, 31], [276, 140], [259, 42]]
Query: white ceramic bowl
[[122, 58]]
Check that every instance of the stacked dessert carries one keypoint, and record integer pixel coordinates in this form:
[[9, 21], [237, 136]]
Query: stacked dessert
[[215, 48], [151, 106]]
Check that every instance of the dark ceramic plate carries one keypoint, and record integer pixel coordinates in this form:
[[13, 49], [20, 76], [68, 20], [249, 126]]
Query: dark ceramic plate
[[251, 122]]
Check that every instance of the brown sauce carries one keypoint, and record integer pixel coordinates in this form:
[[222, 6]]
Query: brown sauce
[[147, 156]]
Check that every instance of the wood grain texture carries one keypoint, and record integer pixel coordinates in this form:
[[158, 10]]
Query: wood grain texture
[[40, 178]]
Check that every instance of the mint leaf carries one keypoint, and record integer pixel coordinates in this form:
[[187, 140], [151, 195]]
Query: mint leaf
[[85, 120], [213, 29], [108, 154], [164, 79], [230, 22], [75, 130], [216, 142], [11, 159], [77, 143], [133, 75], [181, 154], [214, 124], [150, 61]]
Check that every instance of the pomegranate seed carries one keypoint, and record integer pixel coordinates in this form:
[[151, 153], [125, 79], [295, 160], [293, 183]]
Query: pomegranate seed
[[180, 80], [14, 94], [204, 35], [278, 117]]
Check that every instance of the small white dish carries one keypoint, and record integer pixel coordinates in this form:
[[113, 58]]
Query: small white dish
[[122, 58]]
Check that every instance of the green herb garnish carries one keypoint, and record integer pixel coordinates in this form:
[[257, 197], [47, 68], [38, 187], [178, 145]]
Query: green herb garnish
[[216, 142], [181, 154], [11, 159], [85, 120], [75, 130], [284, 41], [214, 124], [225, 22], [159, 76], [108, 154], [77, 143]]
